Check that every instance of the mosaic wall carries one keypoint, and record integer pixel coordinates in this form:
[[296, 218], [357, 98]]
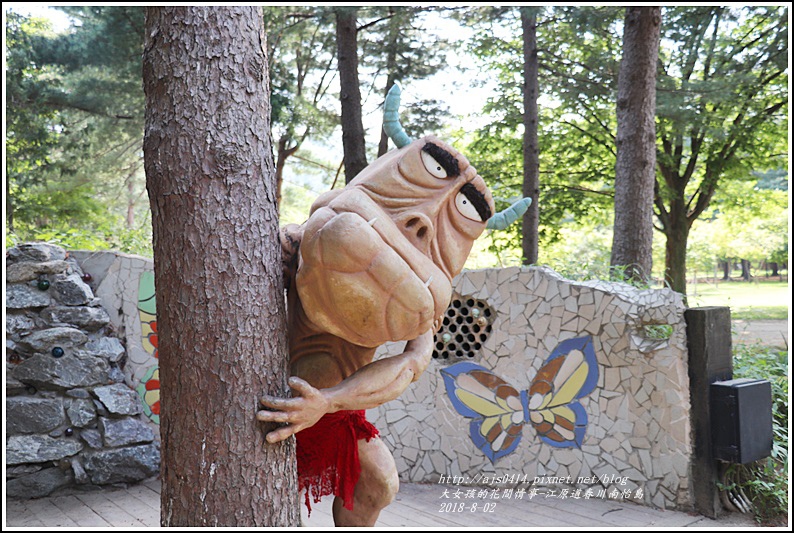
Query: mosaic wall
[[535, 380], [574, 386], [125, 283]]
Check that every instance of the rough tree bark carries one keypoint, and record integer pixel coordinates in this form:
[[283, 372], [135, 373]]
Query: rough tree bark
[[636, 143], [355, 155], [221, 311], [531, 184]]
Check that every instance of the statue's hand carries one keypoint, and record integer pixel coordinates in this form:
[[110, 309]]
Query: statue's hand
[[298, 413]]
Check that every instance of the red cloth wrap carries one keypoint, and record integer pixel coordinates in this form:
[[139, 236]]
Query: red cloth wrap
[[328, 455]]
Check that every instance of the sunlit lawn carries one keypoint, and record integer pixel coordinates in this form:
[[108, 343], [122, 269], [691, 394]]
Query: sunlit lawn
[[756, 300]]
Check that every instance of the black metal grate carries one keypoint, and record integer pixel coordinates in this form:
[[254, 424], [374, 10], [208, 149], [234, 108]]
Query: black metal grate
[[466, 326]]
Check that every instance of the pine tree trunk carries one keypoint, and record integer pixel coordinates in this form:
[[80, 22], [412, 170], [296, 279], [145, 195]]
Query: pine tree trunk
[[636, 143], [221, 312], [531, 184], [355, 156]]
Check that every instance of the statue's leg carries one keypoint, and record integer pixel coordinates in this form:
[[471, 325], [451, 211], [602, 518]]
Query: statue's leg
[[376, 488]]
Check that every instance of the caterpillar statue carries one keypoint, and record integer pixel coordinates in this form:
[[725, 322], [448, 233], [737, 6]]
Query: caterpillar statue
[[373, 263]]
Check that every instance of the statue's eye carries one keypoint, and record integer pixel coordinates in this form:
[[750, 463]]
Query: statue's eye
[[466, 208], [433, 166]]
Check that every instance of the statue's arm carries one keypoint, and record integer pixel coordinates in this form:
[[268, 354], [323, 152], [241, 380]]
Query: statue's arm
[[372, 385]]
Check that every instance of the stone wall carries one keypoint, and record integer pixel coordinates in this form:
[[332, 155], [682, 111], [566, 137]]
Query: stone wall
[[71, 417], [625, 352]]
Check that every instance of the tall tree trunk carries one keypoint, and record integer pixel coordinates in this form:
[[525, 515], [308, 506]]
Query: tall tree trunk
[[350, 94], [131, 197], [531, 185], [746, 270], [726, 269], [9, 206], [391, 67], [282, 153], [383, 144], [635, 165], [220, 294], [677, 234], [775, 268]]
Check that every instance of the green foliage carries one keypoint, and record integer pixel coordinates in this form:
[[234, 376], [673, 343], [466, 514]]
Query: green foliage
[[31, 124], [301, 56], [75, 125], [765, 482], [721, 100], [107, 236], [576, 123]]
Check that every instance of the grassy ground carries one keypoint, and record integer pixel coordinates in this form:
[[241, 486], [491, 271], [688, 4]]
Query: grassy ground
[[755, 300]]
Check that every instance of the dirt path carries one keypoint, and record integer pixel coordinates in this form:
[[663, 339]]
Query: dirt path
[[766, 332]]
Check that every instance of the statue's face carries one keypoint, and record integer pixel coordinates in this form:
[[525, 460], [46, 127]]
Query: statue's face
[[378, 257]]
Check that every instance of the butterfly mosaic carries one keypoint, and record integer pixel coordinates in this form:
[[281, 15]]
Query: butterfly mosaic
[[499, 411]]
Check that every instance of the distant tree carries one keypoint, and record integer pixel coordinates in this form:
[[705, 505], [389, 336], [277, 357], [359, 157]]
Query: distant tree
[[30, 121], [575, 140], [355, 155], [220, 295], [85, 88], [531, 183], [396, 45], [303, 39], [722, 95], [635, 168]]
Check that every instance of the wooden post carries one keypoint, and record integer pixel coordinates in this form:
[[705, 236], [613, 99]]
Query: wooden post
[[710, 360]]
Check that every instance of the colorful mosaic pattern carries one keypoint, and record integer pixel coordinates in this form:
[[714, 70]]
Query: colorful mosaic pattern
[[499, 411], [149, 387], [147, 309], [149, 391]]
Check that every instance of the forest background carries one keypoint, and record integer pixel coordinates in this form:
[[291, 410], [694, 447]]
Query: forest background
[[74, 125]]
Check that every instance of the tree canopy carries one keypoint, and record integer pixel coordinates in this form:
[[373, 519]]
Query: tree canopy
[[74, 117]]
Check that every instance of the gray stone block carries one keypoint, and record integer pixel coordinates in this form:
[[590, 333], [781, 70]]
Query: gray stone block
[[23, 296], [81, 413], [122, 465], [19, 324], [92, 437], [22, 470], [88, 318], [35, 251], [76, 369], [26, 415], [38, 449], [71, 290], [39, 484], [29, 270], [108, 347], [13, 385], [80, 475], [125, 431], [115, 374], [44, 340], [119, 399]]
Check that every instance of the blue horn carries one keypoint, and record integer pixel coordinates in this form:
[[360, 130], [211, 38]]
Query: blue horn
[[502, 219], [391, 120]]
